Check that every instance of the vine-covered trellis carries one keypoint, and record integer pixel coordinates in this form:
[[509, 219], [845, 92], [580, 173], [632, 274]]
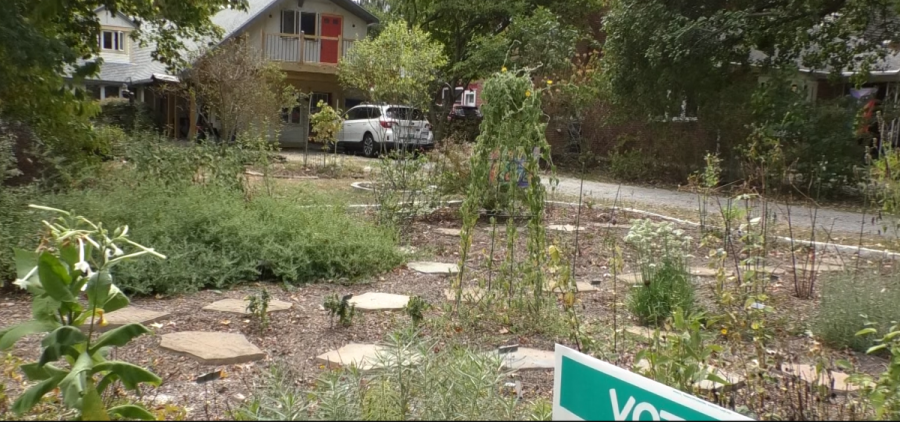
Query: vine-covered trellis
[[506, 182]]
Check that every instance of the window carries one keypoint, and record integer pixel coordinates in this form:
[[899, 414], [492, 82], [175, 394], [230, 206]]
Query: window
[[355, 114], [404, 113], [112, 91], [458, 94], [308, 23], [469, 98], [292, 116], [315, 98], [112, 40], [289, 22]]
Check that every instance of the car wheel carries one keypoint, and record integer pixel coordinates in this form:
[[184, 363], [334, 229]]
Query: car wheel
[[368, 146]]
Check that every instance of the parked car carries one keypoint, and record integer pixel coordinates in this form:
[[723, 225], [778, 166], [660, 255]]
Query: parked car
[[373, 129], [465, 113]]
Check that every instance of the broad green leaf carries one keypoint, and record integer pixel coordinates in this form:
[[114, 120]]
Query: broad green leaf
[[130, 375], [60, 342], [716, 378], [26, 261], [119, 337], [117, 300], [73, 385], [54, 278], [866, 331], [134, 412], [45, 308], [13, 334], [34, 394], [876, 348], [92, 406], [39, 373], [69, 254], [98, 289]]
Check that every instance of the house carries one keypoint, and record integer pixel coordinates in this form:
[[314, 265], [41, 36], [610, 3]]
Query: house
[[306, 37], [467, 96]]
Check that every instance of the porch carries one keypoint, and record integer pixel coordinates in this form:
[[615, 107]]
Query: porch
[[305, 53]]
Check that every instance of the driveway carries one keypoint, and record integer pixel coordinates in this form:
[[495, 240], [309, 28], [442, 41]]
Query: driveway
[[830, 220]]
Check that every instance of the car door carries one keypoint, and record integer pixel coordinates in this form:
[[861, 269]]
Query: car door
[[349, 129]]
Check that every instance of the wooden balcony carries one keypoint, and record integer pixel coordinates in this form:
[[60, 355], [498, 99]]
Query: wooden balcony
[[305, 53]]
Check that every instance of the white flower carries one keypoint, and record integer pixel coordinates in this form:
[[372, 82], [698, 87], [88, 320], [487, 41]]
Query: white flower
[[82, 265]]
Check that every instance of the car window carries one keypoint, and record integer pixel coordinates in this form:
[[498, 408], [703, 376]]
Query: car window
[[353, 114], [404, 113]]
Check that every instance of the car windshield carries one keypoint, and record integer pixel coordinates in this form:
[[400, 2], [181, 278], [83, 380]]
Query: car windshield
[[404, 113]]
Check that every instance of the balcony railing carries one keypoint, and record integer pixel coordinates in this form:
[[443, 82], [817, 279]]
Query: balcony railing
[[301, 48]]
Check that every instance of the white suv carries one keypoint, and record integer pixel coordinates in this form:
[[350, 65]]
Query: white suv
[[376, 128]]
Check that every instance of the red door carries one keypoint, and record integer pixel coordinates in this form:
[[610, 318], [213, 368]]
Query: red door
[[331, 27]]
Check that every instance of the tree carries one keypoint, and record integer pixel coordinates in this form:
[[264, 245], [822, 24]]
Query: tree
[[41, 40], [659, 52], [244, 91], [397, 67]]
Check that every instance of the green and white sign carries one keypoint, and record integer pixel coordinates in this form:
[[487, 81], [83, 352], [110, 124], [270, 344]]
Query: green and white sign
[[585, 388]]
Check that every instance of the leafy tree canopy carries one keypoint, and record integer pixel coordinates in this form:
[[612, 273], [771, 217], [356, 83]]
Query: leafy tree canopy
[[658, 52]]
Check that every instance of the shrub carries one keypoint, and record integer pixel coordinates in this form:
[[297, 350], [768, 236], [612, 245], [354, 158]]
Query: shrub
[[13, 211], [124, 114], [442, 383], [662, 257], [629, 163], [451, 159], [666, 287], [215, 238], [848, 301]]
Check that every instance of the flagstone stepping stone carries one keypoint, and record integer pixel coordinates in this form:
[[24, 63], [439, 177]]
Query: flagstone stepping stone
[[821, 268], [582, 287], [125, 316], [525, 359], [210, 348], [704, 271], [734, 381], [808, 373], [633, 278], [568, 228], [433, 267], [449, 232], [364, 356], [407, 250], [611, 226], [239, 306], [647, 333], [379, 301], [469, 294]]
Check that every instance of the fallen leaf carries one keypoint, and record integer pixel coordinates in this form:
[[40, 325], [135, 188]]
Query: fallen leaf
[[156, 325], [503, 331], [225, 322]]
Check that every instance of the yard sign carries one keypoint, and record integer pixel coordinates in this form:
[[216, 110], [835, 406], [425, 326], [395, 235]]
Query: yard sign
[[585, 388]]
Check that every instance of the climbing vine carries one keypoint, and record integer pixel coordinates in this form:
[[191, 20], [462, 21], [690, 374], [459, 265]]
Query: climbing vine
[[506, 183]]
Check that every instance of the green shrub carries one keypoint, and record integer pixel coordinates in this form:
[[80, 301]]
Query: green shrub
[[666, 288], [446, 382], [662, 257], [125, 114], [848, 301], [215, 238]]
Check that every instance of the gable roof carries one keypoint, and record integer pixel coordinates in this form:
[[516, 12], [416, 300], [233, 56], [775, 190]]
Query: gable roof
[[143, 67]]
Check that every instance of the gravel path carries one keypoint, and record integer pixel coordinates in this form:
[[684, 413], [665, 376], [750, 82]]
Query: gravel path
[[828, 219]]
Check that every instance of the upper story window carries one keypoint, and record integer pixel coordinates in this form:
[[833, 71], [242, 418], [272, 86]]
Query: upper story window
[[294, 22], [112, 41]]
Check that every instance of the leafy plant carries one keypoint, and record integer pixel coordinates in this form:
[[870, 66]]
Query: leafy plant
[[342, 308], [258, 306], [326, 124], [884, 391], [662, 251], [682, 360], [58, 275], [404, 188], [415, 308], [447, 382]]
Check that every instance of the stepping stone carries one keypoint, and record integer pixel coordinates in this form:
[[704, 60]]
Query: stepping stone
[[808, 373], [469, 294], [407, 250], [363, 356], [704, 272], [449, 232], [238, 306], [525, 359], [210, 348], [379, 301], [633, 278], [647, 333], [735, 382], [611, 227], [433, 267], [568, 228], [820, 268], [125, 316], [583, 287]]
